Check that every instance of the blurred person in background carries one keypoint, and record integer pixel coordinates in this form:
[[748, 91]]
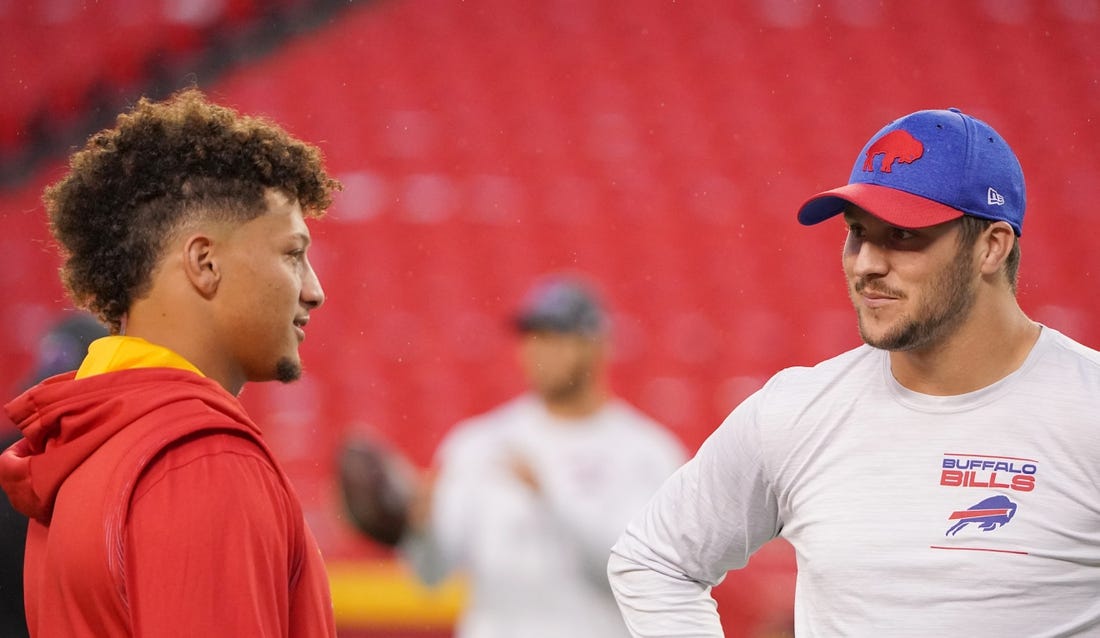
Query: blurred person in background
[[60, 350], [939, 478], [527, 499], [156, 507]]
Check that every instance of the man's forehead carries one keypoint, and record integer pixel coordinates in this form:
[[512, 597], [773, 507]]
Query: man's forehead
[[853, 213], [856, 215], [287, 208]]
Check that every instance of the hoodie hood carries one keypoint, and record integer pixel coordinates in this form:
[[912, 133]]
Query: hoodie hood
[[64, 420]]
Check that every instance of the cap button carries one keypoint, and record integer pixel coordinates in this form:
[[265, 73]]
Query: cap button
[[954, 110]]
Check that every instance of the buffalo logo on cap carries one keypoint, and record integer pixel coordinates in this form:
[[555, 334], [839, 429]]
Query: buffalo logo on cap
[[897, 145]]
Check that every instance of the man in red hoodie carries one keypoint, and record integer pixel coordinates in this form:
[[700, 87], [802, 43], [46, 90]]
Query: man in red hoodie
[[156, 508]]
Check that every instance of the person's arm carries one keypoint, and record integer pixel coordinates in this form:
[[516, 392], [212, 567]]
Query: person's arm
[[209, 543], [446, 509], [421, 547], [707, 519]]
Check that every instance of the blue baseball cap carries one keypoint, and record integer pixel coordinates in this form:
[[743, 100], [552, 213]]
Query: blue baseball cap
[[927, 168], [561, 303]]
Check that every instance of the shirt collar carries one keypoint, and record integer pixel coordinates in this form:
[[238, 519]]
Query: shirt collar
[[109, 354]]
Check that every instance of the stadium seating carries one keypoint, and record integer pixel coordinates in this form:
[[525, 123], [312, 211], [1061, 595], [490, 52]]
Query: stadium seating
[[660, 147]]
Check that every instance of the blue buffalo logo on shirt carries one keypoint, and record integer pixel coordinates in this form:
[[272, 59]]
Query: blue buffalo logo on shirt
[[988, 515]]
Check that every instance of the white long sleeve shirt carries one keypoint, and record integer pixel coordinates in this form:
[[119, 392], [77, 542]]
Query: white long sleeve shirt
[[537, 561], [910, 515]]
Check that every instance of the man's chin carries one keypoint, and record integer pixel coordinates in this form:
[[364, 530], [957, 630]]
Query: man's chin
[[288, 370], [893, 338], [877, 335]]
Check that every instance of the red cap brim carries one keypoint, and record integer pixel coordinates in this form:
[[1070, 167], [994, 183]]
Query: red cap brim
[[891, 205]]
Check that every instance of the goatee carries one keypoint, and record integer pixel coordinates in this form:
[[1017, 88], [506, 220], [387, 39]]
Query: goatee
[[287, 370]]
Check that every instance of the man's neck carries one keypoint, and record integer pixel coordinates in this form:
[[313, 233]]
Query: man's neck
[[175, 328], [578, 406], [986, 348]]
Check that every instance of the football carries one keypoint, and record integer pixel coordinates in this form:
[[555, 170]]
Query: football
[[378, 485]]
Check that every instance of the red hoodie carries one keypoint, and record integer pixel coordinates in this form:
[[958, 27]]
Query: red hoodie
[[157, 510]]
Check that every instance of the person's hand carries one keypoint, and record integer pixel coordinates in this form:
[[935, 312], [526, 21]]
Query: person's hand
[[420, 505], [522, 471]]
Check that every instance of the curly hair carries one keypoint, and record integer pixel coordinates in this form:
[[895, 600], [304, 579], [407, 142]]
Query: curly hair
[[163, 164]]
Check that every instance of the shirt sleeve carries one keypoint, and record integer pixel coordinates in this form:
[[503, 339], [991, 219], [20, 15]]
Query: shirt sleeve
[[707, 519], [208, 550]]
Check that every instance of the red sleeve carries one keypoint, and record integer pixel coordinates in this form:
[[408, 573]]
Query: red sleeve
[[210, 545]]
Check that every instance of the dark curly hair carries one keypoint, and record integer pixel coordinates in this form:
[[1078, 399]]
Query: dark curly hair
[[163, 164]]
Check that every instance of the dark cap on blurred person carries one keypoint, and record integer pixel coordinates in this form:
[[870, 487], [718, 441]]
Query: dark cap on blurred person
[[562, 304], [64, 346]]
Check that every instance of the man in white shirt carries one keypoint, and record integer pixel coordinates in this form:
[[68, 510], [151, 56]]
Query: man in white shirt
[[941, 478], [529, 497]]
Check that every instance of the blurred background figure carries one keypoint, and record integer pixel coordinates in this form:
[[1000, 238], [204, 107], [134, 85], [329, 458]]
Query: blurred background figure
[[526, 499], [61, 349]]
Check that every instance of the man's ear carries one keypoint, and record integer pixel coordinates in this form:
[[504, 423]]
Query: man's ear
[[997, 242], [199, 264]]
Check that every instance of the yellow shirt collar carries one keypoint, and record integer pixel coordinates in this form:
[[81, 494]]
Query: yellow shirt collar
[[109, 354]]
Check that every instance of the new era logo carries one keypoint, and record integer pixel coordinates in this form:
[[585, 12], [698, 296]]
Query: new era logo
[[994, 198]]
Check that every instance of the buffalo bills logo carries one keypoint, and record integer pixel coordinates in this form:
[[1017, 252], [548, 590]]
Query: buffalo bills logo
[[896, 146], [988, 515]]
